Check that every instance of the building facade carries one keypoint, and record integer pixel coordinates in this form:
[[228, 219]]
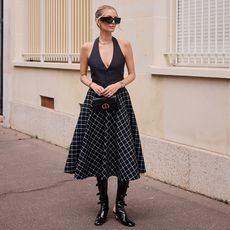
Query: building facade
[[181, 95]]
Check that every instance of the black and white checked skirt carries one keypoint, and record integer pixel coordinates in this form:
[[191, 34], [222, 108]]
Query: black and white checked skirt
[[106, 143]]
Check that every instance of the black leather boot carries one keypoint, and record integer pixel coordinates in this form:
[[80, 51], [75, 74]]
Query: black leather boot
[[120, 213], [104, 201]]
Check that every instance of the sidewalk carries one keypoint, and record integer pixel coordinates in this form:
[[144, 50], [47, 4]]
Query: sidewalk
[[35, 194]]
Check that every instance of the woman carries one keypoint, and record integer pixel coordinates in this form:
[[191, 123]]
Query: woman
[[106, 143]]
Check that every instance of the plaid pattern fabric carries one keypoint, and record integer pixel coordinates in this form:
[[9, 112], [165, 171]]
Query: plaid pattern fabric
[[106, 143]]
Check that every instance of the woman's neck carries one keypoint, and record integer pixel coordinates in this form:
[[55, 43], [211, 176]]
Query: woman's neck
[[105, 38]]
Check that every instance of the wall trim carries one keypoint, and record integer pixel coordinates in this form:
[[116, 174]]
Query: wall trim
[[66, 66], [190, 71]]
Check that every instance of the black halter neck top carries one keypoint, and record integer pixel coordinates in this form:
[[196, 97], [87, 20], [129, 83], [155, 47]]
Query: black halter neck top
[[101, 74]]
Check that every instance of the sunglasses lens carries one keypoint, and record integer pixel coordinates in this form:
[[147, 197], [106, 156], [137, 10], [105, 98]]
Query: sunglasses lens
[[110, 20], [117, 20]]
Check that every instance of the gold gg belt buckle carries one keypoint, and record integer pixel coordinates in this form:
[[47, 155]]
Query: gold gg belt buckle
[[105, 106]]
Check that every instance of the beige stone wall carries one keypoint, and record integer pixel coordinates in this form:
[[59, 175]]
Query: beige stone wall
[[184, 121], [192, 111]]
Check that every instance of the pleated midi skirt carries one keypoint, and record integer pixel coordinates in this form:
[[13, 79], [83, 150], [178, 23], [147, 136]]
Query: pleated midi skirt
[[106, 143]]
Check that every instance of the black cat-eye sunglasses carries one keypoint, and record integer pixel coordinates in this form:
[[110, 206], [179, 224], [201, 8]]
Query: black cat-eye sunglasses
[[110, 19]]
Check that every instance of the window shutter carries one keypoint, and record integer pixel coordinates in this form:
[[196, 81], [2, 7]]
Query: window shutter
[[57, 29], [34, 35], [80, 24], [203, 32]]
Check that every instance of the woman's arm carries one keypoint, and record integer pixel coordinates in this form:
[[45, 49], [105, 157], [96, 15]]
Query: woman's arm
[[84, 65], [129, 60], [128, 54], [84, 54]]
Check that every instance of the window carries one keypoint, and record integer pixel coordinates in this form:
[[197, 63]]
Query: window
[[57, 29], [202, 33]]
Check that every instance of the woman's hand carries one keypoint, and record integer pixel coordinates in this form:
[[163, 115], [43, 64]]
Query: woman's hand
[[110, 90], [97, 89]]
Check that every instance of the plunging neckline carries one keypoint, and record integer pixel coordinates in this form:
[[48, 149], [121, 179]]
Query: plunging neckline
[[101, 57]]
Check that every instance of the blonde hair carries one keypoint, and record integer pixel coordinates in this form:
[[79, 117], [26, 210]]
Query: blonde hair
[[100, 10]]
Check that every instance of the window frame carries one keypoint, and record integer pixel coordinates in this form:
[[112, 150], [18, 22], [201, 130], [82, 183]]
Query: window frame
[[171, 69], [172, 55]]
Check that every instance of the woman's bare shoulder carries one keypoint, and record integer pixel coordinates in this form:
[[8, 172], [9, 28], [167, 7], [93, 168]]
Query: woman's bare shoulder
[[87, 48], [124, 45], [124, 42]]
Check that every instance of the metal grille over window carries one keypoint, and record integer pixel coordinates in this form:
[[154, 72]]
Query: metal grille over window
[[203, 33], [57, 29]]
